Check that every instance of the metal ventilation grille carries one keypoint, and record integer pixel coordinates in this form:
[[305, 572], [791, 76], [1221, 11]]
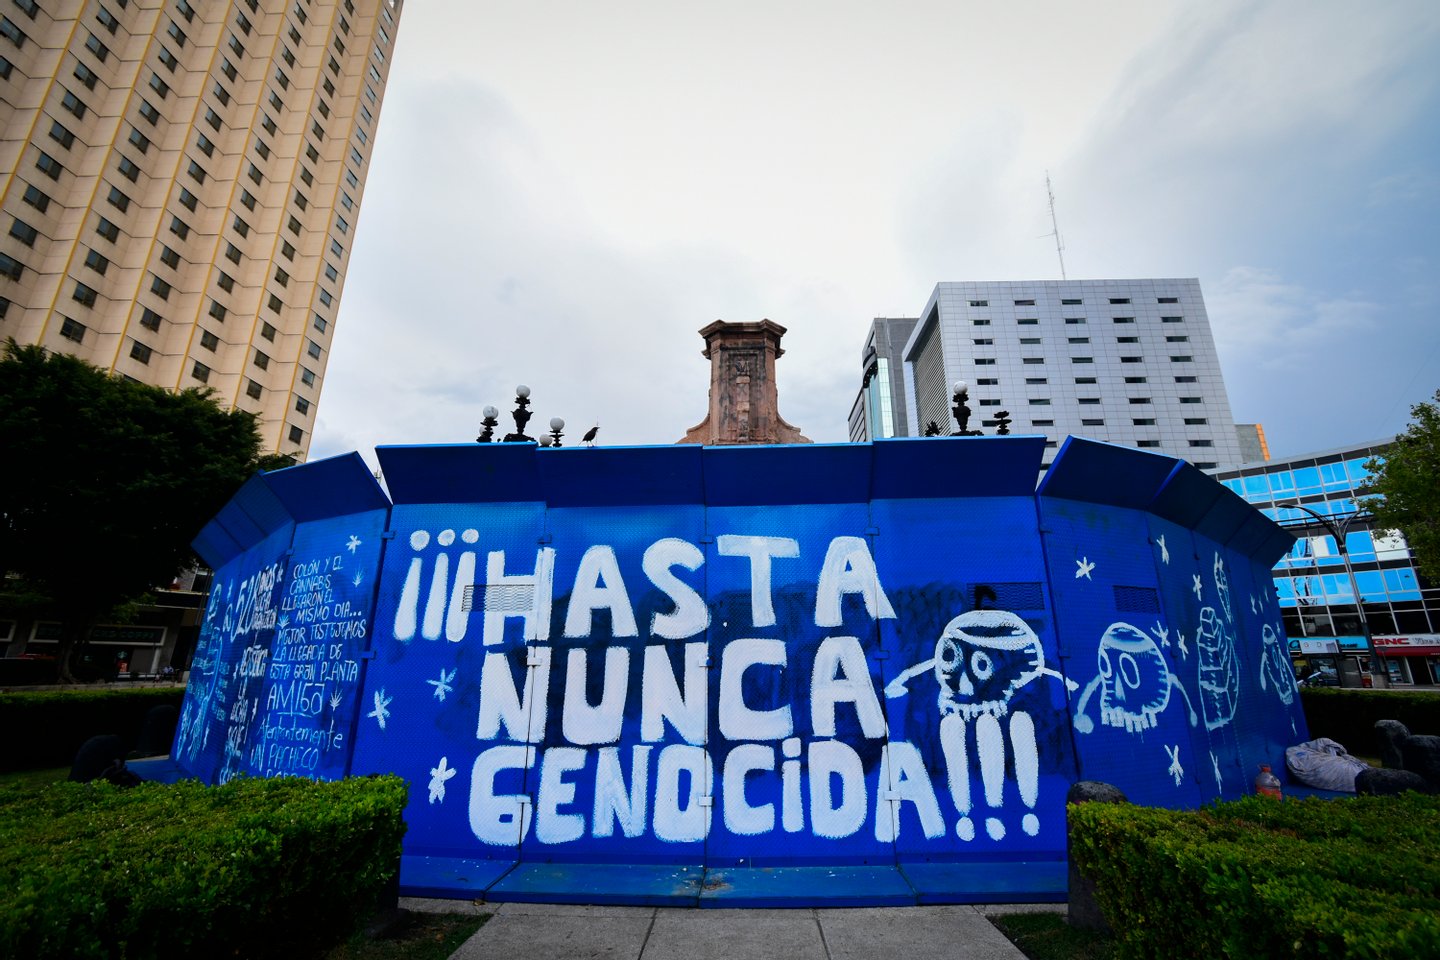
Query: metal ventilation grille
[[1137, 600]]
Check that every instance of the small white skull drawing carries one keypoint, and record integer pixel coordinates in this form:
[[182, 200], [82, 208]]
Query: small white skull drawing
[[1275, 666], [981, 660], [1133, 680]]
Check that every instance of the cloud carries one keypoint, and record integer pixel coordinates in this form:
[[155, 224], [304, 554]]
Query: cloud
[[1255, 311]]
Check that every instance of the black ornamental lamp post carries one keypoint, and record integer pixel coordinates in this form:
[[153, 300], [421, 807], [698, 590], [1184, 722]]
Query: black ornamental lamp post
[[522, 416], [488, 425]]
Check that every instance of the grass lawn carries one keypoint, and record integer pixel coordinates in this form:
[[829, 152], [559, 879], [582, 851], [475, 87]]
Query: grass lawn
[[34, 778], [422, 936], [1047, 936]]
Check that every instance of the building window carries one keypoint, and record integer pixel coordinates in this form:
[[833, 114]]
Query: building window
[[307, 376], [293, 226], [140, 352], [225, 282], [10, 267], [1132, 359], [275, 101], [1027, 322], [349, 204], [1167, 300], [1039, 401], [205, 145], [186, 11], [261, 360], [1187, 379], [1092, 423], [306, 176], [118, 200], [983, 341], [129, 170], [95, 46], [984, 361], [86, 76], [302, 406], [332, 274], [159, 287], [243, 22], [1082, 359], [200, 372], [1088, 400], [197, 172], [1172, 319], [1183, 358], [296, 434], [236, 47], [232, 253], [342, 225], [312, 348], [254, 174], [1196, 421], [83, 294], [274, 303], [1201, 443], [72, 330], [107, 230], [281, 277], [1139, 400], [268, 125], [1035, 381], [1029, 341], [325, 297], [263, 149], [49, 166], [221, 94], [23, 232], [1071, 303], [1177, 339], [1032, 360], [989, 403], [211, 117], [1077, 339], [267, 331], [1204, 465], [1042, 423], [150, 320], [1123, 319], [158, 84], [188, 200], [1083, 380], [152, 116], [228, 68], [1074, 320], [176, 33], [1127, 339], [60, 135], [1024, 303], [247, 199], [241, 227], [981, 323], [1119, 299], [217, 310], [282, 79], [1144, 421], [33, 196], [1147, 443], [287, 250], [252, 389], [97, 262], [11, 32], [208, 340]]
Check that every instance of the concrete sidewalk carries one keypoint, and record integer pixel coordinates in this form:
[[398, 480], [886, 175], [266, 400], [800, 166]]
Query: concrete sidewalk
[[556, 931]]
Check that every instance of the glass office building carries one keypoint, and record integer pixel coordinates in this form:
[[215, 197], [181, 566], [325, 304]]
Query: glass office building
[[1313, 582]]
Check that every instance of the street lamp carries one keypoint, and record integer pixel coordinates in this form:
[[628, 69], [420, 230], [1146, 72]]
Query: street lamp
[[1377, 678], [521, 415]]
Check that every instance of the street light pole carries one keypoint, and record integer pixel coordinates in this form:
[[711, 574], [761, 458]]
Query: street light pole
[[1378, 678]]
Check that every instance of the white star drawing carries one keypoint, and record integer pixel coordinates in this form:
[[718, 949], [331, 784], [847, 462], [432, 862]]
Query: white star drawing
[[1215, 766], [1084, 566], [1161, 633], [438, 775], [1196, 587], [353, 543], [382, 707], [444, 684], [1164, 550], [1175, 770], [357, 578], [1180, 642]]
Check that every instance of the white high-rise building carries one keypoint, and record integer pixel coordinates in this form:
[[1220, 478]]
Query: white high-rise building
[[1125, 361]]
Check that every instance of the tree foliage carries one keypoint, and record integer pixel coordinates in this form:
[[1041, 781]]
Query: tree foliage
[[106, 481], [1405, 487]]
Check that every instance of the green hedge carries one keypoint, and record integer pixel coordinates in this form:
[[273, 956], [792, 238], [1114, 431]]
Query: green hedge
[[254, 868], [1348, 716], [1354, 878], [47, 727]]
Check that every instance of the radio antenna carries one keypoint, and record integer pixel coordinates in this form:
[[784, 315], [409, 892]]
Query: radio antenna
[[1055, 227]]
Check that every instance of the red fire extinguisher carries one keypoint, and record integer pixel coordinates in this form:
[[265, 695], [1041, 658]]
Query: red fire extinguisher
[[1266, 783]]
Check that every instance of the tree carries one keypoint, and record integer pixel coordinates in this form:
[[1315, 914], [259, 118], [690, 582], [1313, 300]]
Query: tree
[[1404, 487], [105, 483]]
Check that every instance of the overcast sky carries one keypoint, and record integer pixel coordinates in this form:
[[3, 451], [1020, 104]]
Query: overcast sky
[[562, 194]]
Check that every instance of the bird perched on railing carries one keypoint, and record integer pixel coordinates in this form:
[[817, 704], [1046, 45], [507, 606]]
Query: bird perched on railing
[[589, 438]]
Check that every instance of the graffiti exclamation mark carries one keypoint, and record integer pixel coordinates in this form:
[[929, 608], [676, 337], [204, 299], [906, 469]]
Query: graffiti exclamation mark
[[990, 745], [436, 602], [408, 611], [1027, 767], [957, 762], [458, 618]]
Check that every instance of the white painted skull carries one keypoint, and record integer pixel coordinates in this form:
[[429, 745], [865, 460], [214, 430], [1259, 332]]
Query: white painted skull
[[981, 659], [1135, 682]]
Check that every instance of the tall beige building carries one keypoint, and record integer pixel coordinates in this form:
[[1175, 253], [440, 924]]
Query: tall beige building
[[181, 183]]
